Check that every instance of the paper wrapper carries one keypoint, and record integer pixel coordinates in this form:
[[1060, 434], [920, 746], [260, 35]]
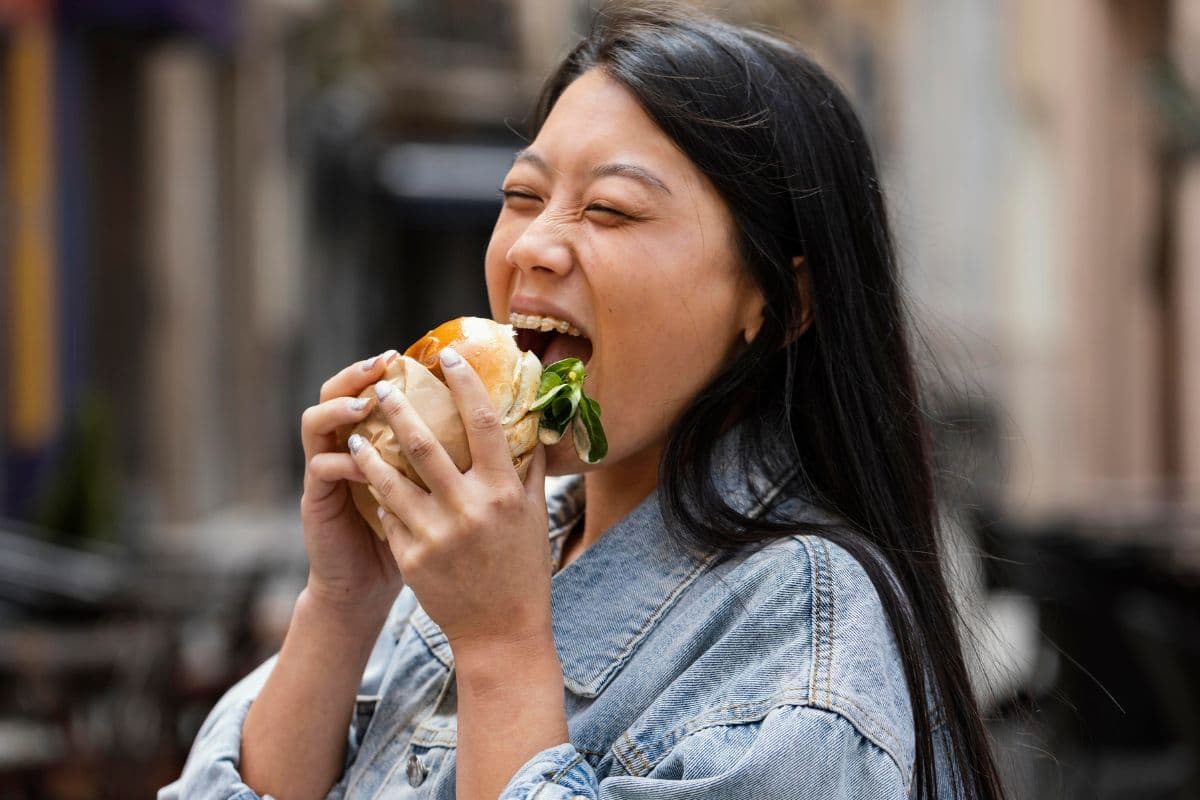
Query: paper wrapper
[[432, 400]]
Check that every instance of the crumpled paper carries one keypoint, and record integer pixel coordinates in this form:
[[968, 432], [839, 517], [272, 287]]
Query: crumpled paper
[[432, 400]]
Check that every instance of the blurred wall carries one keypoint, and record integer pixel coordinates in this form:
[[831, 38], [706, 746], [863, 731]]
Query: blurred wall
[[209, 209]]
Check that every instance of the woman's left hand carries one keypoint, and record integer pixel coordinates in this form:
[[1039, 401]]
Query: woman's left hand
[[475, 547]]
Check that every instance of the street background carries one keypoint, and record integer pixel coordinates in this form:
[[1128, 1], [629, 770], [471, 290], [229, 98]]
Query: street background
[[207, 207]]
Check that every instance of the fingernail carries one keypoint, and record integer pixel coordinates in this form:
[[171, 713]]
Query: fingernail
[[359, 403], [355, 443], [383, 389], [382, 358], [379, 512], [450, 357]]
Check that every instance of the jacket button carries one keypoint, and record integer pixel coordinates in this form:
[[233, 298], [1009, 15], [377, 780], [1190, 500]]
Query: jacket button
[[415, 771]]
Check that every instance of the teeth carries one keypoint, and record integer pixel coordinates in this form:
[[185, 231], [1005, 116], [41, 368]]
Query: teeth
[[538, 323]]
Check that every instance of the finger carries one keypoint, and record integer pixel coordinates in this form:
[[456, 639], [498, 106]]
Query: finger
[[356, 377], [485, 436], [399, 537], [422, 449], [330, 468], [325, 471], [535, 480], [397, 493], [319, 423]]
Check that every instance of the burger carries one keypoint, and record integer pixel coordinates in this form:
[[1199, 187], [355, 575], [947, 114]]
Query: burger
[[534, 403]]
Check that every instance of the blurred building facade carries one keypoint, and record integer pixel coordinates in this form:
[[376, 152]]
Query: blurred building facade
[[211, 207], [208, 208]]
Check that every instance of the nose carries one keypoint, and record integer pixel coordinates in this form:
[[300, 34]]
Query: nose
[[543, 246]]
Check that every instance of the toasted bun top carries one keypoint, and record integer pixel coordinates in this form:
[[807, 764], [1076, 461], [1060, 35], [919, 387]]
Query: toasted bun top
[[488, 347]]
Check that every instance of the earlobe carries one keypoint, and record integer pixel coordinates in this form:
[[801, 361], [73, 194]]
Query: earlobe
[[754, 320]]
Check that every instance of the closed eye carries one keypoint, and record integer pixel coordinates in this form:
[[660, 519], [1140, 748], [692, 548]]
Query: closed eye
[[607, 210], [510, 194]]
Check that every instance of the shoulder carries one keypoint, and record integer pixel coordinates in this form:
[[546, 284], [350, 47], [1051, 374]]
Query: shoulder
[[797, 629]]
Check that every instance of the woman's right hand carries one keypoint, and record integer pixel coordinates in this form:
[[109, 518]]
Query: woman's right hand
[[350, 569]]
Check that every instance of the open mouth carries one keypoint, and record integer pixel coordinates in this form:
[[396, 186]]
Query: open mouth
[[550, 339]]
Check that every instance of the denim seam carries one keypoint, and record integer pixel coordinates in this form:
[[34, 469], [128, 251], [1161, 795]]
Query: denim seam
[[651, 621], [774, 488], [437, 703], [554, 779], [815, 615], [633, 749], [629, 768], [558, 776], [879, 733], [875, 738], [710, 718], [432, 636], [829, 630]]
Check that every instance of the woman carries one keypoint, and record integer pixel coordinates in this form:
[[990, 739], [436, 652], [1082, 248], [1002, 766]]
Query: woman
[[744, 599]]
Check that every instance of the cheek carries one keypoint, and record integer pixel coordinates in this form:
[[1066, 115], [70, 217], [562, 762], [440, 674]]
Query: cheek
[[496, 271], [666, 341]]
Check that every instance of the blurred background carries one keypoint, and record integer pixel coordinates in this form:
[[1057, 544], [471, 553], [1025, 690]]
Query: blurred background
[[207, 207]]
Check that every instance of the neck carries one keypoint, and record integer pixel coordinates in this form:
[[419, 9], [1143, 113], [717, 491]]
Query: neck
[[611, 493]]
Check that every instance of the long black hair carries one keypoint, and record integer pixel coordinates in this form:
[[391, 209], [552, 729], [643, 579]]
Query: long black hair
[[782, 145]]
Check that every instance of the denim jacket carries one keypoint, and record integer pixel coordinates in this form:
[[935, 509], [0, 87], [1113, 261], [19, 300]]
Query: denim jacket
[[770, 674]]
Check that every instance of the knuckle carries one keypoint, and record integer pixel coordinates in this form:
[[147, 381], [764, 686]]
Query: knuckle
[[420, 445], [411, 557], [484, 418], [393, 410], [309, 417], [327, 388], [506, 498], [387, 487]]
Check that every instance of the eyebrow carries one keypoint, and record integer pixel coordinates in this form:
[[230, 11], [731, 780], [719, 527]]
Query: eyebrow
[[633, 171]]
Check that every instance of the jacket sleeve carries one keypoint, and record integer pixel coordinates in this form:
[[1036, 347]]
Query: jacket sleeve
[[212, 770], [212, 765], [795, 752]]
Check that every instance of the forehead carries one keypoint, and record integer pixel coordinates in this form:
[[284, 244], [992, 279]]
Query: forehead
[[597, 119]]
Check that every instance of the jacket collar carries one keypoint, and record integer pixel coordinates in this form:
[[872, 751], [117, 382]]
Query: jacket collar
[[609, 600]]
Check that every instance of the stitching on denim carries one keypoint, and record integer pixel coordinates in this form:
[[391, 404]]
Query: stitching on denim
[[881, 735], [815, 615], [559, 775], [887, 744], [774, 489], [431, 636], [654, 617], [386, 778], [710, 718], [633, 749], [885, 731], [437, 703], [629, 768], [829, 630]]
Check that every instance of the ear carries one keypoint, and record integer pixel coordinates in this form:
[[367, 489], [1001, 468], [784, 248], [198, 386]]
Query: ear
[[806, 298], [752, 314]]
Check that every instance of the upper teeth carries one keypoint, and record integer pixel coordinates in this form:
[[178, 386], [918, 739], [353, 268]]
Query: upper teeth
[[537, 323]]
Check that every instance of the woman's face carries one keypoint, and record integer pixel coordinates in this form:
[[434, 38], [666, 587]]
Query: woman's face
[[608, 226]]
